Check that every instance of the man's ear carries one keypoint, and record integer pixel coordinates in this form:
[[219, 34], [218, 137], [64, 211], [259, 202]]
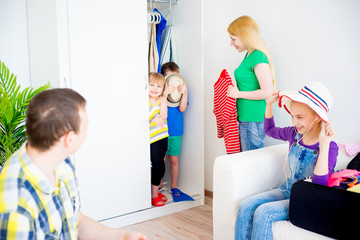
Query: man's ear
[[68, 138]]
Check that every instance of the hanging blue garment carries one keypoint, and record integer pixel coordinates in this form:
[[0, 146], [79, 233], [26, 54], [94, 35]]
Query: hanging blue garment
[[168, 50], [159, 30]]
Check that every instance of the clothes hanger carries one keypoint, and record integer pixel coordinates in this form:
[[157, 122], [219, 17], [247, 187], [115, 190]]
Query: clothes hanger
[[153, 17], [158, 17], [149, 17], [170, 14]]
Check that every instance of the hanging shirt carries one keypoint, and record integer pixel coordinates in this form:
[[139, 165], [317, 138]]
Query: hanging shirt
[[159, 30], [168, 50], [225, 113], [153, 51]]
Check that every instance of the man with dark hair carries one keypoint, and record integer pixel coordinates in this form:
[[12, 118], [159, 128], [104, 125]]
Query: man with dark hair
[[38, 184]]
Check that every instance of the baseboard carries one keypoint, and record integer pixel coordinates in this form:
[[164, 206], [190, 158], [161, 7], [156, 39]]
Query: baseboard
[[153, 212], [208, 193]]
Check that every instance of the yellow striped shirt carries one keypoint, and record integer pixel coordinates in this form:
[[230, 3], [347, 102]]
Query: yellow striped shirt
[[156, 133]]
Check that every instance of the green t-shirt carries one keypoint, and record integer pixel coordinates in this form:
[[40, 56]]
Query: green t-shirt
[[246, 80]]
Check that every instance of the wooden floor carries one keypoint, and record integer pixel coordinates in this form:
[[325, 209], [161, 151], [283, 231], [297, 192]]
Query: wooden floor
[[191, 224]]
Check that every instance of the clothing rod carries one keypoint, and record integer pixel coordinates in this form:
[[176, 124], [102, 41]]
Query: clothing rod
[[164, 1]]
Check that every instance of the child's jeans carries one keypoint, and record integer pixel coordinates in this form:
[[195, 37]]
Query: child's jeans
[[254, 221]]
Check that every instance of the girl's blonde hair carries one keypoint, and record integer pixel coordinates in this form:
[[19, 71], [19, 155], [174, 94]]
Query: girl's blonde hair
[[248, 31], [155, 77]]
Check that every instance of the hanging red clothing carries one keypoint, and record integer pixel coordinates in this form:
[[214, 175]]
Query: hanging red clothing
[[225, 113]]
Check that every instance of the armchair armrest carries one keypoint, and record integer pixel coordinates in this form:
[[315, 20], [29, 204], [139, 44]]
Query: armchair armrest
[[237, 176]]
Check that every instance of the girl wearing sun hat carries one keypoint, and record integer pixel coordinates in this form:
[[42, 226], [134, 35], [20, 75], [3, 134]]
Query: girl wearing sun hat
[[315, 95], [312, 153]]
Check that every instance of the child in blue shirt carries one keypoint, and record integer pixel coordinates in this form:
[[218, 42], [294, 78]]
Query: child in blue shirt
[[175, 125]]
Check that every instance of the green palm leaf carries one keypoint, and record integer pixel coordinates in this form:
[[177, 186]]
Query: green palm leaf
[[13, 106]]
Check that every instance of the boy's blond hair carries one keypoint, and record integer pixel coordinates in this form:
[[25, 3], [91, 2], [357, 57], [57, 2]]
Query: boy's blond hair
[[155, 77]]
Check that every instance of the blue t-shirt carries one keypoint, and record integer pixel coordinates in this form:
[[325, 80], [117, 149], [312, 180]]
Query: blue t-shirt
[[175, 121]]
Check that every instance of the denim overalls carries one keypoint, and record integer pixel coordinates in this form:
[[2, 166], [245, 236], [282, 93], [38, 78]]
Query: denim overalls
[[257, 213], [302, 162]]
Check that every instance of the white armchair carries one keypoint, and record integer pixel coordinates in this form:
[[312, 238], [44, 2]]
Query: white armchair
[[237, 176]]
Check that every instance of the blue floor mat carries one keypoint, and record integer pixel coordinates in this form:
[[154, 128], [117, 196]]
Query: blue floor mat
[[181, 197]]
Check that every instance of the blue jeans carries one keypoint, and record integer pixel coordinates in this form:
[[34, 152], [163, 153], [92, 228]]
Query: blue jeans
[[251, 135], [257, 214]]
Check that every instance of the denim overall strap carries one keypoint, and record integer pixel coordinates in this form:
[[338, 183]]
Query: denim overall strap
[[302, 161]]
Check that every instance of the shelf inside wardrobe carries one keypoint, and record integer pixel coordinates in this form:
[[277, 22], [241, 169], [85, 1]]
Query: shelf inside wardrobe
[[164, 1]]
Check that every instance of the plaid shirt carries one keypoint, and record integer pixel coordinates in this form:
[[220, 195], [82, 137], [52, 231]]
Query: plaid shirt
[[33, 208]]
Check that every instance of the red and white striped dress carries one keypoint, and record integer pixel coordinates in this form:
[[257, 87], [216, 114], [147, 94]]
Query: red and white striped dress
[[225, 113]]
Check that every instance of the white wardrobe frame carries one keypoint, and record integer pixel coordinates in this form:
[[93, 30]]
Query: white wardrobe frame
[[189, 38]]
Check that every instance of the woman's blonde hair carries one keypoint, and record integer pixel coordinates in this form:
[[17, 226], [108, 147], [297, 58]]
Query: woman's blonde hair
[[155, 77], [248, 31]]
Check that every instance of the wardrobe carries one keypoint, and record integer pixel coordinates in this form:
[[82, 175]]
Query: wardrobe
[[100, 49]]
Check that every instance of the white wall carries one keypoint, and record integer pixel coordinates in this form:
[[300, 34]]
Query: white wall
[[14, 39], [23, 41], [43, 42], [309, 40]]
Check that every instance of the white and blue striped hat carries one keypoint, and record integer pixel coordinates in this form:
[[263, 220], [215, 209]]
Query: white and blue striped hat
[[314, 94]]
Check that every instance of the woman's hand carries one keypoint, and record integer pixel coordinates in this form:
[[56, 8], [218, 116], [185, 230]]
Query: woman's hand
[[327, 133], [233, 92]]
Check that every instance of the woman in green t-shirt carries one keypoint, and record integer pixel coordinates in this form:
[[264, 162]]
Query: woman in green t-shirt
[[254, 79]]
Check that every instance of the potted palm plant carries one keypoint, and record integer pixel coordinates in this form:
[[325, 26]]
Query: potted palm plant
[[13, 105]]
